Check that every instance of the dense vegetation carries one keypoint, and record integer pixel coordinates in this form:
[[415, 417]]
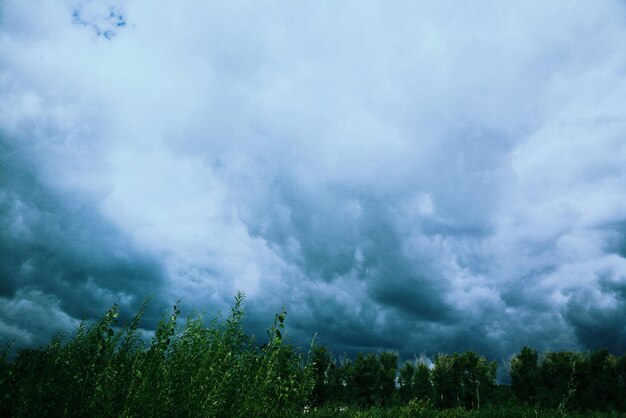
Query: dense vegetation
[[215, 369], [203, 370]]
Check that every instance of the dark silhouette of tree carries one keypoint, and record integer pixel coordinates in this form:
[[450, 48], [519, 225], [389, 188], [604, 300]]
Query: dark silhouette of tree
[[477, 378], [388, 361], [524, 375], [366, 379], [620, 388], [341, 391], [445, 381], [323, 375], [559, 379], [422, 382], [597, 378], [406, 384], [462, 379]]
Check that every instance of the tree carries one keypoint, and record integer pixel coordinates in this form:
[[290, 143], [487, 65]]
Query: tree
[[414, 381], [388, 361], [477, 377], [406, 384], [322, 362], [462, 379], [620, 388], [422, 382], [341, 378], [366, 379], [524, 375], [444, 381], [559, 379]]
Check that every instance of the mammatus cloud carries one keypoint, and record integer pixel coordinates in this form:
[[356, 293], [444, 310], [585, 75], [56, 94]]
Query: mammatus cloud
[[415, 177]]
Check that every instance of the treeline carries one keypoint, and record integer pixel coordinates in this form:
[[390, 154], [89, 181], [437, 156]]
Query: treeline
[[562, 381], [457, 380], [579, 381], [215, 369]]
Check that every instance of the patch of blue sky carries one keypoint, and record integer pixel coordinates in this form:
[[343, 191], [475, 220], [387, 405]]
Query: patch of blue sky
[[107, 25], [76, 18], [116, 17]]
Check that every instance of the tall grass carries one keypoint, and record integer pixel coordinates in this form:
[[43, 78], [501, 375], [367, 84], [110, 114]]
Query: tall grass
[[200, 369]]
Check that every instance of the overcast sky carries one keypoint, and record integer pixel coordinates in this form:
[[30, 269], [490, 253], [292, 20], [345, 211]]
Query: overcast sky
[[417, 176]]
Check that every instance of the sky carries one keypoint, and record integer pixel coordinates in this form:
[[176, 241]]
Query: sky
[[412, 175]]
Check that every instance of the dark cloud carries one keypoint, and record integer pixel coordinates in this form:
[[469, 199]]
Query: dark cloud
[[599, 317], [414, 177], [55, 248], [598, 327]]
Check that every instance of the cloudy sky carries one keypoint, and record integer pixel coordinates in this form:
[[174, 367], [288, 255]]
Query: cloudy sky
[[417, 176]]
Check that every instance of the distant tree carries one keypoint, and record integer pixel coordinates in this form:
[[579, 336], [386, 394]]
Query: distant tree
[[524, 374], [366, 379], [321, 361], [620, 387], [341, 378], [406, 383], [462, 379], [414, 381], [388, 361], [422, 382], [445, 382], [597, 379], [559, 379], [570, 381], [477, 378]]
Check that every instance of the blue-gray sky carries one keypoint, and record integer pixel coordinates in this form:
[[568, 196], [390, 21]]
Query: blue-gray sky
[[417, 176]]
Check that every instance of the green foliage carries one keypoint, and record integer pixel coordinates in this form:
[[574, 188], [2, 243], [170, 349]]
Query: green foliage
[[421, 408], [322, 368], [524, 375], [214, 370], [406, 383], [388, 361], [569, 381], [422, 382], [424, 409], [5, 380], [463, 379], [366, 379], [415, 383], [558, 378]]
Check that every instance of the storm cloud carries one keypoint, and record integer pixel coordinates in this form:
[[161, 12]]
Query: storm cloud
[[414, 176]]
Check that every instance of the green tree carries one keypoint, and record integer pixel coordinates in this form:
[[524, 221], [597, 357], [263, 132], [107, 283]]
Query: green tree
[[524, 374], [323, 374], [366, 379], [342, 386], [388, 361], [406, 384], [445, 381], [477, 378], [422, 382], [598, 380], [462, 379], [620, 387], [414, 381], [559, 379]]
